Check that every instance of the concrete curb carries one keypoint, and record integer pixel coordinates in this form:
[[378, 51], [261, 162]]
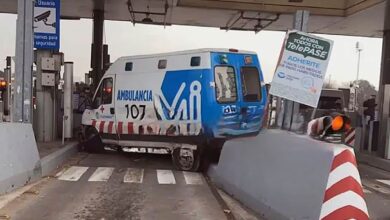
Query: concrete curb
[[373, 161], [51, 162], [19, 158]]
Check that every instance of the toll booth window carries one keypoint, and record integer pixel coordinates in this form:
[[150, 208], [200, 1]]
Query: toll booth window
[[250, 83], [195, 61], [330, 103], [225, 84], [104, 93], [162, 64], [129, 66]]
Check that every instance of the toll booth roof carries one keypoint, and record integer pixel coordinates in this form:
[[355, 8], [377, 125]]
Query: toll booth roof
[[341, 17]]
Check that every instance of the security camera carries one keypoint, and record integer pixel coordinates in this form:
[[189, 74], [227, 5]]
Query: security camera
[[42, 17]]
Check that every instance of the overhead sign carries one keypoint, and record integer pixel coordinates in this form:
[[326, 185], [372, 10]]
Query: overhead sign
[[47, 24], [301, 68]]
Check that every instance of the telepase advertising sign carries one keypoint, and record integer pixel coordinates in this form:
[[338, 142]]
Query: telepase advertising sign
[[301, 68]]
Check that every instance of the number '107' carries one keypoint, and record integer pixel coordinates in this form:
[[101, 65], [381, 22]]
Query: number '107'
[[135, 111]]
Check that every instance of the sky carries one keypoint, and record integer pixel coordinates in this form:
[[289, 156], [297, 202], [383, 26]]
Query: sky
[[124, 39]]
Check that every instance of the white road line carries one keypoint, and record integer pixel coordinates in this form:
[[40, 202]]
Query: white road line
[[366, 191], [374, 186], [192, 178], [73, 173], [165, 177], [387, 182], [134, 175], [101, 174]]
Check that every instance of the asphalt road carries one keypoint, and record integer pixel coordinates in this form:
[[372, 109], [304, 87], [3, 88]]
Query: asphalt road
[[376, 185], [145, 186], [118, 186]]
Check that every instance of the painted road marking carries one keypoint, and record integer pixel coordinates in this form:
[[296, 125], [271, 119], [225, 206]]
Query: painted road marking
[[366, 191], [192, 178], [165, 177], [374, 186], [73, 173], [387, 182], [101, 174], [134, 175]]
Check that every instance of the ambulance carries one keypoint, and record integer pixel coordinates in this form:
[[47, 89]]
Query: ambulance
[[184, 102]]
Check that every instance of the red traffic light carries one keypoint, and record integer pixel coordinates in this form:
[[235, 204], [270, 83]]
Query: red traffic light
[[3, 85], [329, 128]]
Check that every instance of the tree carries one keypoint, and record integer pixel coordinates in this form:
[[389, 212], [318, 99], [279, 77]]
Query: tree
[[365, 91]]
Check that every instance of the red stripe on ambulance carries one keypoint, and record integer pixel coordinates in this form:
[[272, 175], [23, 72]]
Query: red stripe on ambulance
[[120, 127], [110, 126]]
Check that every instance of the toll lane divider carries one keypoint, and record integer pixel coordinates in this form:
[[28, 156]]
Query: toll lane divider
[[20, 163], [19, 158], [282, 175]]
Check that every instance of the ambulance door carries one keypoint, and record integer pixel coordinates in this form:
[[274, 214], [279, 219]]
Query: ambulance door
[[251, 97], [225, 77], [104, 103]]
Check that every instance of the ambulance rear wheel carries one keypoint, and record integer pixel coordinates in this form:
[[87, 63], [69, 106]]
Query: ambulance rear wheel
[[93, 143], [187, 159]]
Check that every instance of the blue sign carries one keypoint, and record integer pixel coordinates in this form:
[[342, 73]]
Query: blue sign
[[47, 24]]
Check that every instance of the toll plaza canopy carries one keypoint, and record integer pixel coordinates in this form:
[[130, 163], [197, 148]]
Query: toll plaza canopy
[[342, 17]]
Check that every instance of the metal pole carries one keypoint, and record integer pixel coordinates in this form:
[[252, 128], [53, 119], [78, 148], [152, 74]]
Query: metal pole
[[301, 19], [1, 107], [8, 102], [68, 101], [44, 101], [358, 49], [358, 64], [22, 105]]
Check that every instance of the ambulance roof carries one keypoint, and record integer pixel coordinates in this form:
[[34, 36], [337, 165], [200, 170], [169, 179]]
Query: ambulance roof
[[186, 52]]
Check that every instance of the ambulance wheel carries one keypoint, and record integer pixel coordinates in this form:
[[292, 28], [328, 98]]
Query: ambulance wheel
[[93, 143], [211, 154], [215, 149], [186, 159]]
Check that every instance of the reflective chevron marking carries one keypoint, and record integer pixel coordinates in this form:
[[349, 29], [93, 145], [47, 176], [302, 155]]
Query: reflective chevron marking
[[343, 197]]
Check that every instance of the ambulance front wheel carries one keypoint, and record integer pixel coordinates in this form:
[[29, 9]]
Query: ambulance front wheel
[[187, 159], [93, 143]]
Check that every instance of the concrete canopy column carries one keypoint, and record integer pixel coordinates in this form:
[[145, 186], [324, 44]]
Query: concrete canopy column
[[97, 47], [383, 83], [22, 104]]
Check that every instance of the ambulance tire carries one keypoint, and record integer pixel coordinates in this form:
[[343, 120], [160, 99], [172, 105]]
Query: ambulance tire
[[211, 154], [214, 149], [93, 143], [187, 163]]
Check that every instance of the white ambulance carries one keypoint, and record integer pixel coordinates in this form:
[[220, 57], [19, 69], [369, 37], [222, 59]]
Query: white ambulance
[[182, 102]]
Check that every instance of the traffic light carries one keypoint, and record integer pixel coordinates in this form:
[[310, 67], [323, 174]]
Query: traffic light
[[3, 85], [328, 128], [338, 125], [369, 106]]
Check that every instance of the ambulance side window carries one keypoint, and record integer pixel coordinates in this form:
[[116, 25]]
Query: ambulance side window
[[225, 84], [104, 93]]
